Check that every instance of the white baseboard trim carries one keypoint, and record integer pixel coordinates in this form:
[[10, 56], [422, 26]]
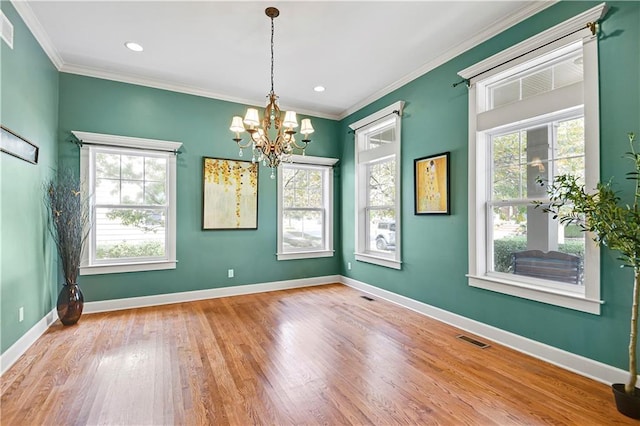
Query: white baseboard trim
[[578, 364], [190, 296], [15, 351]]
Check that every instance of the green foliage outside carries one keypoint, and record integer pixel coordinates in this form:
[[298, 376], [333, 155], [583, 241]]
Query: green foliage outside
[[124, 250], [504, 248]]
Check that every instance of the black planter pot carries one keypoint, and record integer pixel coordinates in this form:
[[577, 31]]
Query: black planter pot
[[70, 304], [629, 405]]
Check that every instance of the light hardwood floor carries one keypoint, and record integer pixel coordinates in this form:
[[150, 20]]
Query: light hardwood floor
[[320, 355]]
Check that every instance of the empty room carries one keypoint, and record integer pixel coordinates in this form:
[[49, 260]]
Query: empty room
[[319, 212]]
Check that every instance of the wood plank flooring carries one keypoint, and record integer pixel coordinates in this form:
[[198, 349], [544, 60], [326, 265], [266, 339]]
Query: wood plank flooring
[[319, 355]]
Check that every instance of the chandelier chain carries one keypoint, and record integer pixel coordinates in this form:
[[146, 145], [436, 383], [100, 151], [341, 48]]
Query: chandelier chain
[[272, 55]]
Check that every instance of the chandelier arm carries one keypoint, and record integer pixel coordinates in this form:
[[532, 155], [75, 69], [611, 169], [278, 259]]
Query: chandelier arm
[[241, 145], [295, 144]]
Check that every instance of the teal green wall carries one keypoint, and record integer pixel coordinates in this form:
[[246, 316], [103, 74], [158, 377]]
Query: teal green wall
[[434, 248], [202, 125], [29, 87]]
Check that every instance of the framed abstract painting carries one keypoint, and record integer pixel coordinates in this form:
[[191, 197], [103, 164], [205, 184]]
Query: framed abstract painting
[[230, 194]]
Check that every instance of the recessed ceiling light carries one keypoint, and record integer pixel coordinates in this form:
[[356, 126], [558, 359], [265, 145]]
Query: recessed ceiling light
[[319, 88], [133, 46]]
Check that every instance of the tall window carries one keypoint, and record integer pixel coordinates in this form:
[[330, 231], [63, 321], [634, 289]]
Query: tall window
[[532, 119], [305, 208], [377, 195], [131, 183]]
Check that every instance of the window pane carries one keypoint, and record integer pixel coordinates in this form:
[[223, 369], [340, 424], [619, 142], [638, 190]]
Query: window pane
[[522, 157], [132, 167], [107, 165], [382, 183], [526, 242], [302, 188], [302, 230], [155, 169], [154, 193], [543, 78], [505, 94], [107, 191], [384, 134], [132, 192], [382, 230], [537, 83], [127, 233], [568, 72], [509, 170]]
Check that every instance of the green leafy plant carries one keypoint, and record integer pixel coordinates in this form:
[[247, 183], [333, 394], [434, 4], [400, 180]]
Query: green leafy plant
[[612, 223], [69, 221]]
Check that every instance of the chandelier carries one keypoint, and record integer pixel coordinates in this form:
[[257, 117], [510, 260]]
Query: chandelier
[[271, 139]]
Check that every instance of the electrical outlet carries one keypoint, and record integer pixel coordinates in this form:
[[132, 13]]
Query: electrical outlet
[[230, 273], [21, 314], [349, 265]]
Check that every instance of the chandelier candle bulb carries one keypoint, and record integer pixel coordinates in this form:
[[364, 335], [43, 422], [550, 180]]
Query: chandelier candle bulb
[[271, 139]]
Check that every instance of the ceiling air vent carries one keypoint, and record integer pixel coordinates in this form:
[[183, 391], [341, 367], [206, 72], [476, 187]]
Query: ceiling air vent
[[6, 29]]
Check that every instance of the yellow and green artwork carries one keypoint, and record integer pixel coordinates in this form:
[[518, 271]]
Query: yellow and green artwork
[[230, 194], [432, 184]]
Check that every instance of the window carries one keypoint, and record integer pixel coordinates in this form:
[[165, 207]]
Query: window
[[305, 208], [531, 119], [132, 188], [377, 147]]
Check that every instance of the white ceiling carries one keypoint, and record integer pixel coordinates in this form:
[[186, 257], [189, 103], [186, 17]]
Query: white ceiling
[[358, 50]]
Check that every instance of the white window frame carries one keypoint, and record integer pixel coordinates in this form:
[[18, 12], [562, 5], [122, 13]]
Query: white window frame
[[479, 120], [325, 165], [362, 128], [148, 146]]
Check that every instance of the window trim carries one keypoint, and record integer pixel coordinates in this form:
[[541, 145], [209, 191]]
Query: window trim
[[542, 43], [361, 128], [126, 142], [318, 163]]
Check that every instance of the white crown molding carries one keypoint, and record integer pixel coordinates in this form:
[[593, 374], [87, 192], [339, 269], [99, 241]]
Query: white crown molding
[[491, 31], [587, 367], [542, 39], [15, 351], [34, 25], [179, 88]]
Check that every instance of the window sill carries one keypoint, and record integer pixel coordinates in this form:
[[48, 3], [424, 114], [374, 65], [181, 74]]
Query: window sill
[[545, 295], [377, 260], [305, 255], [128, 267]]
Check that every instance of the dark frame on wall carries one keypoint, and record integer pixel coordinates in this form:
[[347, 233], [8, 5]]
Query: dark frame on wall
[[431, 184], [17, 146], [229, 194]]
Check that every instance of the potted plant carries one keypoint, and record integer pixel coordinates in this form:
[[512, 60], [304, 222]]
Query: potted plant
[[69, 224], [616, 225]]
